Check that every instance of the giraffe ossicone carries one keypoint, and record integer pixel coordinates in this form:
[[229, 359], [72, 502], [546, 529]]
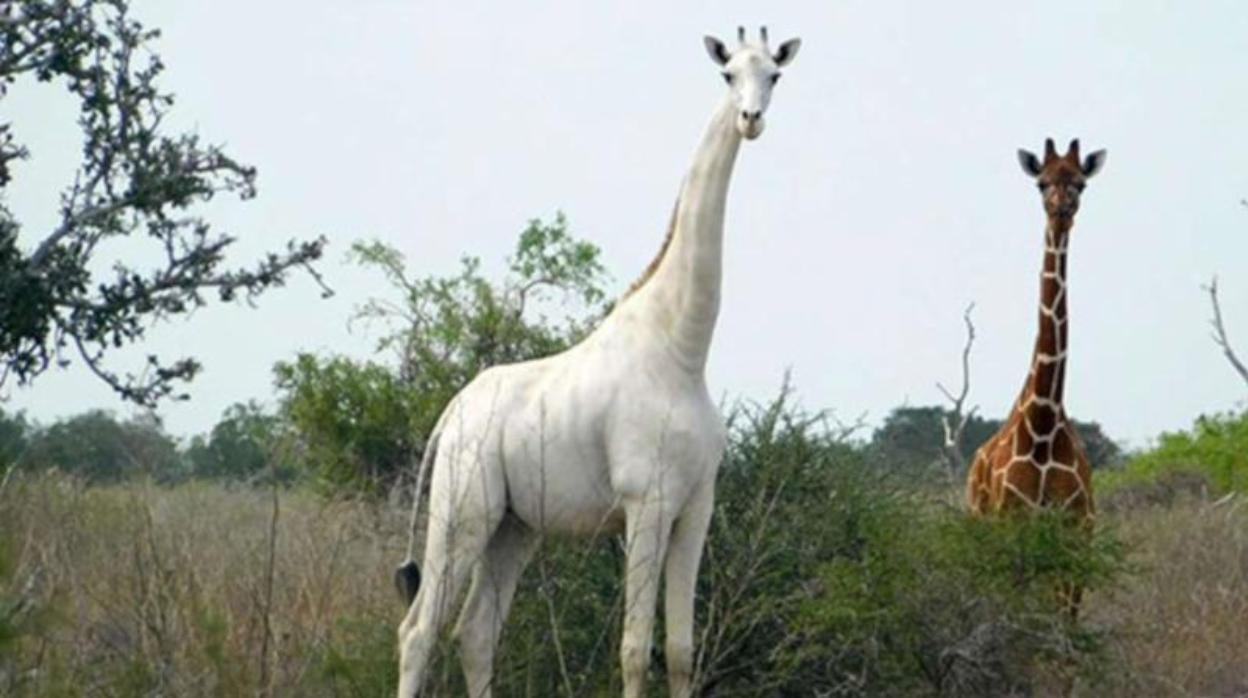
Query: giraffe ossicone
[[617, 433]]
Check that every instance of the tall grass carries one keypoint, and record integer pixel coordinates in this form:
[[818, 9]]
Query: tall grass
[[154, 591]]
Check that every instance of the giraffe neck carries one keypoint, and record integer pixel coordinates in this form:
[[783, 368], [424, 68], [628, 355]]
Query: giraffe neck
[[1047, 380], [682, 295]]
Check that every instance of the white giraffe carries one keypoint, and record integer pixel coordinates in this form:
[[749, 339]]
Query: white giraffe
[[617, 432]]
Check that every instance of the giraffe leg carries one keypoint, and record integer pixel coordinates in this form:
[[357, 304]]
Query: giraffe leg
[[447, 567], [646, 538], [489, 601], [680, 579], [466, 505]]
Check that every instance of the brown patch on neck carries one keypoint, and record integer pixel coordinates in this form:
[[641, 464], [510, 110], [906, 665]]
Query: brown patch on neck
[[658, 258]]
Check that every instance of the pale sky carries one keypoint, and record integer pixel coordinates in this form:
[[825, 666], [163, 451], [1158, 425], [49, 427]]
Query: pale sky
[[883, 197]]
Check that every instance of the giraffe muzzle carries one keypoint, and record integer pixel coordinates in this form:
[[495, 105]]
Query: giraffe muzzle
[[750, 124]]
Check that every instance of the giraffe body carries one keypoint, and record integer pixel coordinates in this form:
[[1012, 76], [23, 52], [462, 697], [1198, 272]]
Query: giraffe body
[[1021, 469], [1037, 459]]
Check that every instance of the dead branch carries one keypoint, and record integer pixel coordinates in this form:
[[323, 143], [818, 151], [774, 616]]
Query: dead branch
[[956, 418], [1219, 330]]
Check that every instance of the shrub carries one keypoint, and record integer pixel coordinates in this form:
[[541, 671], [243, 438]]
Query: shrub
[[941, 603], [1215, 449]]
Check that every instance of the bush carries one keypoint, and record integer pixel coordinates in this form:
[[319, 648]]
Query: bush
[[940, 603], [1215, 449], [353, 421], [792, 494], [363, 424]]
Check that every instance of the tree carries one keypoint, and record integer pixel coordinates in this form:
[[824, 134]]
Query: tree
[[911, 440], [137, 182], [14, 432], [1102, 450], [362, 422], [446, 330], [239, 447], [352, 420], [97, 447]]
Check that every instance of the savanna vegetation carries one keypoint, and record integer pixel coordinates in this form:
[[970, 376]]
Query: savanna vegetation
[[824, 575], [256, 559]]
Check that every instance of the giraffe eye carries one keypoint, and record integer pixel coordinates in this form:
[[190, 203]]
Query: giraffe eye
[[1079, 186], [1041, 186], [775, 78], [727, 77]]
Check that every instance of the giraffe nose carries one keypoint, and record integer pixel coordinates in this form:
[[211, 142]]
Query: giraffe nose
[[751, 115]]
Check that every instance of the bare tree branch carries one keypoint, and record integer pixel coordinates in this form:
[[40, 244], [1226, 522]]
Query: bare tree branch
[[956, 418], [1219, 330]]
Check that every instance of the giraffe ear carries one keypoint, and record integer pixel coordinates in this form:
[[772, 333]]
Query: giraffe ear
[[1030, 163], [786, 52], [1093, 163], [716, 49]]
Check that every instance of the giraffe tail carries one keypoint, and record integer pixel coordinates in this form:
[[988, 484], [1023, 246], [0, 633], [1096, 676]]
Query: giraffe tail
[[407, 576]]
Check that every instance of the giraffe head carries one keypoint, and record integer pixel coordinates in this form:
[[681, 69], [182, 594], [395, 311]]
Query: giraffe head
[[751, 72], [1061, 179]]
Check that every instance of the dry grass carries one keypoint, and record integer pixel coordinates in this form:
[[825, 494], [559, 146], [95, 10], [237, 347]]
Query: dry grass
[[152, 591], [141, 590], [1181, 622]]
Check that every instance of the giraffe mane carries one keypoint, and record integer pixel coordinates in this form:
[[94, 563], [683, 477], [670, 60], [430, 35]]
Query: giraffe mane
[[658, 258]]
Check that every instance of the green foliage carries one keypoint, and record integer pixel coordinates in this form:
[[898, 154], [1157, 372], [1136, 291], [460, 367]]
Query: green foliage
[[100, 449], [565, 626], [353, 420], [1214, 449], [14, 433], [136, 181], [361, 423], [940, 603], [241, 446], [791, 495], [445, 330], [547, 257], [359, 661]]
